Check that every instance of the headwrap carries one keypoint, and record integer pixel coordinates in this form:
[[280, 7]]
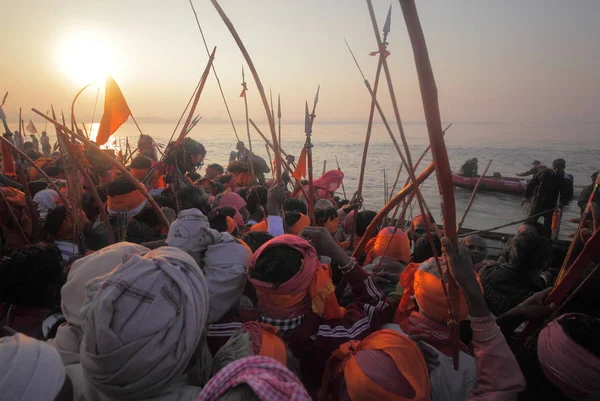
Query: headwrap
[[566, 364], [426, 287], [242, 179], [298, 226], [139, 173], [386, 365], [73, 294], [260, 226], [46, 199], [269, 380], [65, 232], [132, 202], [224, 265], [144, 323], [265, 341], [30, 369], [191, 232], [231, 226], [42, 163], [232, 199], [389, 243], [310, 289], [212, 173]]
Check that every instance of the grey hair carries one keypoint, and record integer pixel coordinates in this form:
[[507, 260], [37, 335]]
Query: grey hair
[[242, 392]]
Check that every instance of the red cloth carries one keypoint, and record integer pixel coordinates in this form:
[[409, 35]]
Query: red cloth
[[566, 364], [330, 181], [310, 289], [8, 165], [232, 199], [269, 380]]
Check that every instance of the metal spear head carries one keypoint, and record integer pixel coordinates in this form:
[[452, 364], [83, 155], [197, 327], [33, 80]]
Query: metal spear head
[[307, 124], [279, 106], [388, 22], [243, 78], [317, 96]]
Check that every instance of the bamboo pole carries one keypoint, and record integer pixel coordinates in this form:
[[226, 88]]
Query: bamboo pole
[[472, 198], [440, 155], [251, 155], [23, 181], [214, 70], [259, 84], [118, 165], [512, 223], [343, 187]]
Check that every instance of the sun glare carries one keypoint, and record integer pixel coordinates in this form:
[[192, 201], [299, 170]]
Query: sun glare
[[85, 57]]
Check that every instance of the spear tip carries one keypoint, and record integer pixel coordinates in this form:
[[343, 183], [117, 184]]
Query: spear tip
[[317, 95], [388, 21], [307, 124], [278, 105]]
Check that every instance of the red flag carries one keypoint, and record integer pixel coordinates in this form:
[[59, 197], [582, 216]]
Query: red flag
[[387, 53], [116, 112], [301, 167], [8, 166], [31, 128], [243, 93]]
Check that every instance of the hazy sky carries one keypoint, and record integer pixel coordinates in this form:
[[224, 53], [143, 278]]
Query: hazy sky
[[504, 61]]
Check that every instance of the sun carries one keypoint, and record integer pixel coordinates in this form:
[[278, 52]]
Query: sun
[[85, 57]]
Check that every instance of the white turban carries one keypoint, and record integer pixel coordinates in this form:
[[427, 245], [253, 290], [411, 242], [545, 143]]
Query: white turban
[[74, 293], [29, 369], [144, 324], [191, 232], [46, 199]]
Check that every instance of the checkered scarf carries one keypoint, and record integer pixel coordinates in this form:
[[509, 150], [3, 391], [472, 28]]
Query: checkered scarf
[[269, 379]]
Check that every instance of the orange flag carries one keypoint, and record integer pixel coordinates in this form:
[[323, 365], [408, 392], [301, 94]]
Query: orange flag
[[8, 166], [31, 128], [116, 112], [301, 167]]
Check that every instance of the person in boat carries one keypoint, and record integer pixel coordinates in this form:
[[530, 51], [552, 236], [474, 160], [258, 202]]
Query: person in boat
[[586, 192], [538, 167], [46, 147], [18, 138], [544, 191], [242, 152], [147, 147], [35, 143], [477, 247], [469, 168]]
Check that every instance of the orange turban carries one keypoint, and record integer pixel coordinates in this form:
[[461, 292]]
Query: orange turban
[[298, 226], [262, 226], [384, 366], [396, 245], [128, 201], [231, 226], [242, 179], [429, 293], [265, 341], [139, 173]]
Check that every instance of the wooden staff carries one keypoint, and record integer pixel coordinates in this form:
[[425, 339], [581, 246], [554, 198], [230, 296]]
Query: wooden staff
[[23, 181], [36, 167], [92, 187], [324, 167], [512, 223], [389, 206], [250, 156], [279, 123], [214, 70], [258, 82], [73, 121], [339, 169], [270, 159], [14, 217], [440, 155], [309, 119], [118, 165], [265, 138], [382, 54], [472, 198]]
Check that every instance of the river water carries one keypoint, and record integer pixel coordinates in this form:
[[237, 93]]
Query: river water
[[512, 148]]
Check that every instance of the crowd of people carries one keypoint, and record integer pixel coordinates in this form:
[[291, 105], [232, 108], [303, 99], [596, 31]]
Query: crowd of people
[[247, 295]]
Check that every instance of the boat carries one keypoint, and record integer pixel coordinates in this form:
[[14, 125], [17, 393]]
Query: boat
[[497, 183]]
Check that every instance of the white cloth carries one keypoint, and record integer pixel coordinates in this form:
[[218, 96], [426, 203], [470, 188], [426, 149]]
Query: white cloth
[[46, 199], [275, 226], [191, 232], [225, 270], [68, 249], [74, 293], [143, 324], [30, 370]]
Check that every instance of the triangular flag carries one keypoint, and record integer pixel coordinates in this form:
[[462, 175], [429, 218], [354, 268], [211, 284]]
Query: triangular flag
[[116, 112], [31, 128], [243, 93], [301, 167]]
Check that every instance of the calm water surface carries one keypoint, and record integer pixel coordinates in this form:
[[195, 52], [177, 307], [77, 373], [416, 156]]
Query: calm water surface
[[512, 147]]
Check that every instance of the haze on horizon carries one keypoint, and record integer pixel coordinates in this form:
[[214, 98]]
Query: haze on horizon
[[509, 61]]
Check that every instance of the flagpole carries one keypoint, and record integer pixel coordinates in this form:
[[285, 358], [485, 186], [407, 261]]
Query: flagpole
[[250, 156], [73, 121]]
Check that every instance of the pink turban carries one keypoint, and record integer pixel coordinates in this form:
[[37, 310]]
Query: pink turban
[[232, 199], [268, 379], [566, 364]]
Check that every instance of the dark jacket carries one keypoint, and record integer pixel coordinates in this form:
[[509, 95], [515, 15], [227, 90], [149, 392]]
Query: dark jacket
[[469, 169], [585, 195], [544, 188]]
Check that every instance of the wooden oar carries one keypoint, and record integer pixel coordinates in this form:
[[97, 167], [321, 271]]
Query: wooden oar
[[258, 82], [115, 163], [512, 223], [472, 198]]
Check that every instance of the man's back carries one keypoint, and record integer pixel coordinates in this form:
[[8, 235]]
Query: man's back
[[544, 189]]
